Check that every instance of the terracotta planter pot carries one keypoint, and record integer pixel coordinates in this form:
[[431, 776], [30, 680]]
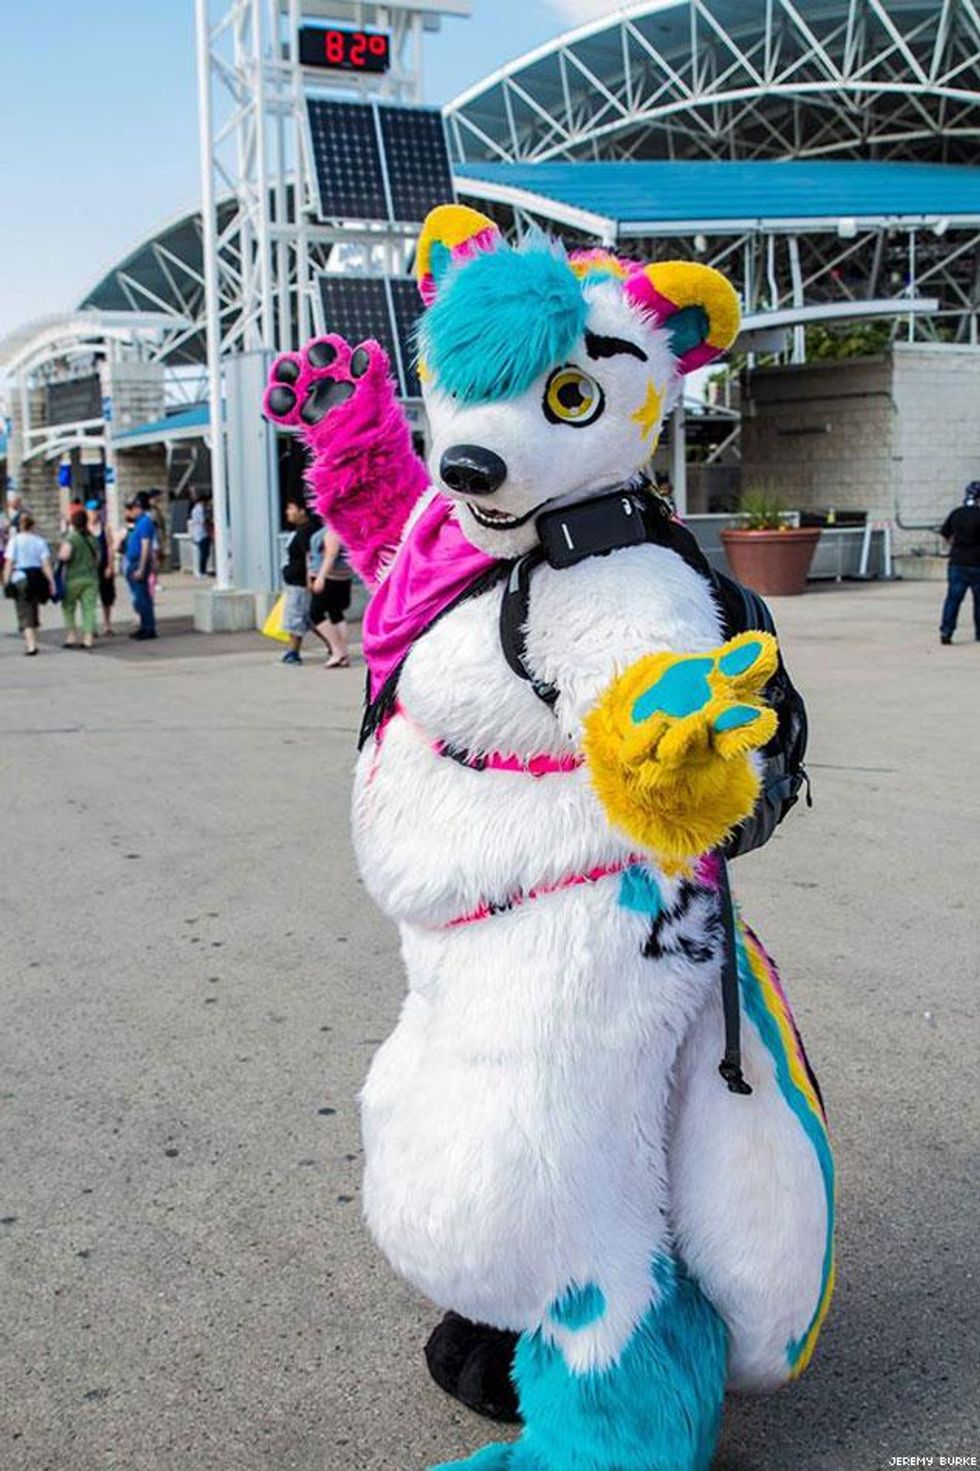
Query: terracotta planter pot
[[774, 563]]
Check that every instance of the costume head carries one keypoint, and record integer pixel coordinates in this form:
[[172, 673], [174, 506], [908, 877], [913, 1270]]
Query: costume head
[[548, 376]]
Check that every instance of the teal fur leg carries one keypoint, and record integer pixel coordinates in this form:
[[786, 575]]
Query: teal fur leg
[[493, 1458], [658, 1408]]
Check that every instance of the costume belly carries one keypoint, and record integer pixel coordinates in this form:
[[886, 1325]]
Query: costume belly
[[514, 1121]]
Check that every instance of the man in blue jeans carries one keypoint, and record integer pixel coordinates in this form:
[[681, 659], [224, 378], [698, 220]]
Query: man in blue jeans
[[962, 530], [139, 565]]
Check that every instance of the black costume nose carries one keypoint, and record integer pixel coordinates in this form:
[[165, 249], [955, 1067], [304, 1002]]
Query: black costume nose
[[471, 470]]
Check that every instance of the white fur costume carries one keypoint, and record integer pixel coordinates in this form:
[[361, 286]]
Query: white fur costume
[[549, 1147]]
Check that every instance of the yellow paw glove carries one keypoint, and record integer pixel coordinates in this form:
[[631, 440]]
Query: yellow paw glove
[[668, 745]]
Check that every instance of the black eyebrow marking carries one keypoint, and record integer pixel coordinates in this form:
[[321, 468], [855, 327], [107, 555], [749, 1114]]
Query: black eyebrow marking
[[598, 346]]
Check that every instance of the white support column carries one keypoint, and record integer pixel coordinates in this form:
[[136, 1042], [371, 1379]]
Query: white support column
[[209, 227], [678, 458]]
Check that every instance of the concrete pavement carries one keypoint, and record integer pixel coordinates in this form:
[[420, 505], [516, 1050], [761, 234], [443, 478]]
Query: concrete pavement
[[193, 982]]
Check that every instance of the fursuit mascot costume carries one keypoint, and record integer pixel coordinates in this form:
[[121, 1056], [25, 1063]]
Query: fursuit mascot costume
[[542, 802]]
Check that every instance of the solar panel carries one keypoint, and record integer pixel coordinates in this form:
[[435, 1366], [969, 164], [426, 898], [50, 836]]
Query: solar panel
[[379, 307], [417, 157], [355, 182], [406, 305], [350, 177]]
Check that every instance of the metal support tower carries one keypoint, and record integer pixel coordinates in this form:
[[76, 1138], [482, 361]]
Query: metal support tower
[[264, 247]]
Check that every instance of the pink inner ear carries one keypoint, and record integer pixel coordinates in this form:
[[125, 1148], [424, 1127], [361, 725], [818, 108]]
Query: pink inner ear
[[486, 239]]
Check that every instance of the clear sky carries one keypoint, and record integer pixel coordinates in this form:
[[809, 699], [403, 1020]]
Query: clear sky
[[98, 117]]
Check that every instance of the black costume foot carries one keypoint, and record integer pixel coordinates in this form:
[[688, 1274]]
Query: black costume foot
[[472, 1363]]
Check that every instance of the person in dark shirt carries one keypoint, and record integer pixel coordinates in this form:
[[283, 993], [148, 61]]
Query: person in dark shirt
[[296, 577], [962, 530]]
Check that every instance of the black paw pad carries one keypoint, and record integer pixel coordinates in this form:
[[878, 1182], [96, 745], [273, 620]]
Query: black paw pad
[[281, 400], [321, 354], [360, 361], [323, 397], [286, 372]]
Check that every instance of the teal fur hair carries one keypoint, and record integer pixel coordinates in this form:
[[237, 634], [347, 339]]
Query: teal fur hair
[[502, 319], [657, 1409]]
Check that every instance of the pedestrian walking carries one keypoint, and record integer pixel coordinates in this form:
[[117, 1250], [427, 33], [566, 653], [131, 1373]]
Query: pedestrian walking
[[296, 577], [27, 570], [201, 533], [138, 557], [961, 530], [99, 528], [79, 553], [331, 590]]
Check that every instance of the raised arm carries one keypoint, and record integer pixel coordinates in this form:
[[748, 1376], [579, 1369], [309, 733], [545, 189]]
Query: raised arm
[[364, 475]]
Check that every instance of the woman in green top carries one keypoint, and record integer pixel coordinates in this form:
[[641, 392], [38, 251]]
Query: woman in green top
[[80, 554]]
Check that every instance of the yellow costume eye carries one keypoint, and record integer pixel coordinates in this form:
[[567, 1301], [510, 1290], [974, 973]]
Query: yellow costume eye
[[572, 397]]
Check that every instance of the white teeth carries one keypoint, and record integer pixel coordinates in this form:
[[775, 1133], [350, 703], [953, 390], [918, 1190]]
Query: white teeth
[[491, 518]]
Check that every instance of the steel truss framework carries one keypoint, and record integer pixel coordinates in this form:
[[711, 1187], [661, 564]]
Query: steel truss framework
[[730, 79], [58, 349], [775, 270], [265, 248], [740, 79]]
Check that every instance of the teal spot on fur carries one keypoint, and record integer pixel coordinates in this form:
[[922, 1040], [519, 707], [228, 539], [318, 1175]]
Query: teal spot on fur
[[811, 1123], [638, 891], [578, 1307], [687, 328], [658, 1408], [737, 661], [680, 691], [501, 320], [735, 717]]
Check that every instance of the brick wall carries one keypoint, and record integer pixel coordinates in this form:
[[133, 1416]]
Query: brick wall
[[36, 480], [937, 441], [822, 434]]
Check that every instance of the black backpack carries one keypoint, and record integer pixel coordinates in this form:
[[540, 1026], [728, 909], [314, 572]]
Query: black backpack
[[783, 774]]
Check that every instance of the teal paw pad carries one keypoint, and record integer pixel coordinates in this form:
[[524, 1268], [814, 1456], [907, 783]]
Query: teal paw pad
[[681, 691], [740, 660], [735, 717]]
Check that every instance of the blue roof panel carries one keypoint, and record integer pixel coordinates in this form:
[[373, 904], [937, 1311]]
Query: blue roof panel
[[198, 416], [764, 192]]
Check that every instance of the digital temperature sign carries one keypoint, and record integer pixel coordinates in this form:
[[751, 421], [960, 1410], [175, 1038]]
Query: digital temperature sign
[[346, 51]]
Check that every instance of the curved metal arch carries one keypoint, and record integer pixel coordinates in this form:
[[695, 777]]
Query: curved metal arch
[[801, 80]]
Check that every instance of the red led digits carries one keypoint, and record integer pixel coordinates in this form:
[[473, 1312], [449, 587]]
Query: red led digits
[[342, 50]]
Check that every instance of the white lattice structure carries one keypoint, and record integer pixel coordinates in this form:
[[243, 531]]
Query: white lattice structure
[[740, 79], [873, 80]]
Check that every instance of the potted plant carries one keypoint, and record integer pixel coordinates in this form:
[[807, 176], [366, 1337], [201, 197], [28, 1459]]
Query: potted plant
[[763, 551]]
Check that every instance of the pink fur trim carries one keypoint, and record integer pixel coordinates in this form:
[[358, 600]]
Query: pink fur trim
[[698, 357], [488, 239], [542, 764], [364, 476], [641, 291]]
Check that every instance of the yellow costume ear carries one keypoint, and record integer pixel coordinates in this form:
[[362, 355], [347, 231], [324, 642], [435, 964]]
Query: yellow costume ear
[[452, 232], [696, 303]]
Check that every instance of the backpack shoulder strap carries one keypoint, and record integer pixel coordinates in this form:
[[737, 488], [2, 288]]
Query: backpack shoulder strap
[[514, 608]]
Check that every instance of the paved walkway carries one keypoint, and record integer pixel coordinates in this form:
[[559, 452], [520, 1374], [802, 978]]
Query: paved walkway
[[193, 984]]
